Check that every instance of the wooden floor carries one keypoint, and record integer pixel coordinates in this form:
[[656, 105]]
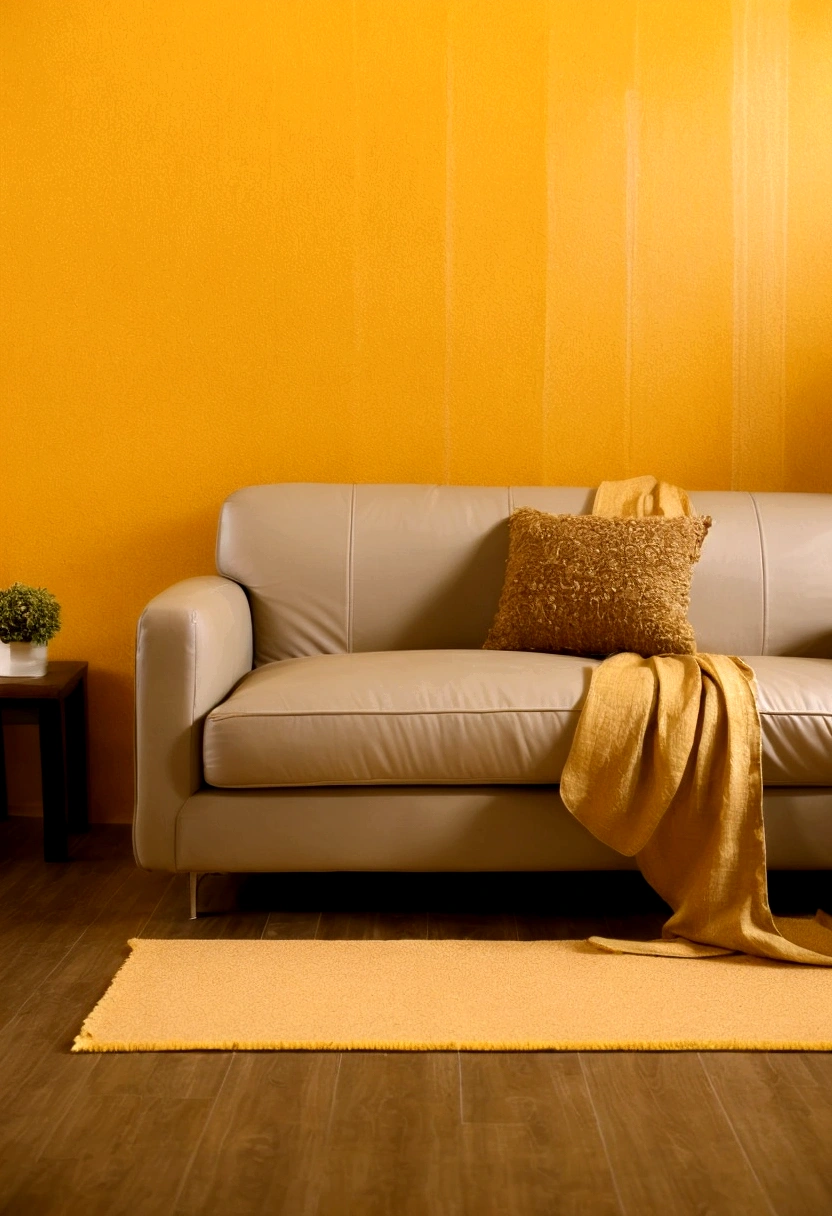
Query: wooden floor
[[360, 1134]]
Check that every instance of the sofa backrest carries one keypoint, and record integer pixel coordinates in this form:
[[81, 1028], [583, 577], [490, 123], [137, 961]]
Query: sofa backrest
[[333, 568]]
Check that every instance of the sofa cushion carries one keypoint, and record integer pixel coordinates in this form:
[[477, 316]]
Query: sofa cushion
[[464, 717], [407, 716], [795, 701], [337, 568]]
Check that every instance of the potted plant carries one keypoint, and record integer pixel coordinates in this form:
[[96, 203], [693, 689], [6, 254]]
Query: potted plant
[[29, 617]]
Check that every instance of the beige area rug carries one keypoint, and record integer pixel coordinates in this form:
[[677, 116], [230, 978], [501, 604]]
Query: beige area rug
[[452, 995]]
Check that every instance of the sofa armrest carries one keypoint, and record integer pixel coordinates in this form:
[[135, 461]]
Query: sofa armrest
[[193, 643]]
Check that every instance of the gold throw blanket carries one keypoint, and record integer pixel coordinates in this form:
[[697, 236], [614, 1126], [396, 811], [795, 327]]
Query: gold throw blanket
[[666, 767]]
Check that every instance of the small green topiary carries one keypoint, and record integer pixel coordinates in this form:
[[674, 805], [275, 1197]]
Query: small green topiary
[[28, 614]]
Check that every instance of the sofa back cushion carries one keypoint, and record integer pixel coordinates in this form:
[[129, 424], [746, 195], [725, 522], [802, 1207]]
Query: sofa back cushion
[[339, 568]]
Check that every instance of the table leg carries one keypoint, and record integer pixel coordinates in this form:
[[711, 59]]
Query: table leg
[[53, 780], [4, 798], [75, 721]]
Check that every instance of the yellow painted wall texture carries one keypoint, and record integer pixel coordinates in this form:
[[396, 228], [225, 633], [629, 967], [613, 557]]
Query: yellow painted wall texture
[[473, 241]]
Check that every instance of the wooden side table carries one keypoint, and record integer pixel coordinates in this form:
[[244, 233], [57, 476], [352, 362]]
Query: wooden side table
[[60, 700]]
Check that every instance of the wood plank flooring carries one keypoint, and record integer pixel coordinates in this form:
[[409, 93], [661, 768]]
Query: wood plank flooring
[[365, 1133]]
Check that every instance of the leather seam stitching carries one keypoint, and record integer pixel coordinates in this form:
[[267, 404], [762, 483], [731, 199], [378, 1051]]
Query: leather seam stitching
[[823, 714], [193, 693], [195, 778], [764, 567], [350, 571], [391, 713], [476, 787]]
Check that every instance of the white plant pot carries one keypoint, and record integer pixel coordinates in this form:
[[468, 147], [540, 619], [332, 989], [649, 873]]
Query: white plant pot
[[22, 659]]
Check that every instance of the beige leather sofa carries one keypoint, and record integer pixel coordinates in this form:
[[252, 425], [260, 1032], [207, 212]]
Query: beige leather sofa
[[324, 702]]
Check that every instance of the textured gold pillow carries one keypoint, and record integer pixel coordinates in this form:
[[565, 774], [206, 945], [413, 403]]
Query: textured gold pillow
[[591, 585]]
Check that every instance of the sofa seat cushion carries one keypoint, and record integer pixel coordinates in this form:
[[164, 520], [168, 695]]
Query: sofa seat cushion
[[464, 716], [399, 717], [795, 701]]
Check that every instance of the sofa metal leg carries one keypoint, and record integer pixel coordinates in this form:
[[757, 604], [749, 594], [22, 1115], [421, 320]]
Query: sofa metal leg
[[193, 884]]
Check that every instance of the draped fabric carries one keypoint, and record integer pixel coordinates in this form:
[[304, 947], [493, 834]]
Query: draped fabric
[[666, 767]]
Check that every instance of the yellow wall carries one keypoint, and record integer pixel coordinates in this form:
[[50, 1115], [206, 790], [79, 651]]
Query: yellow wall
[[483, 241]]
